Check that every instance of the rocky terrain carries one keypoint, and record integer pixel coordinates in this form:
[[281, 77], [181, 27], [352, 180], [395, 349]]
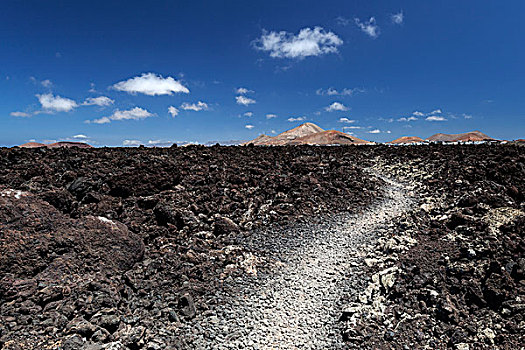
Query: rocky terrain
[[124, 246], [248, 247], [458, 259]]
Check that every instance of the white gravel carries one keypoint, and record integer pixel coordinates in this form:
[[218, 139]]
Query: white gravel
[[297, 303]]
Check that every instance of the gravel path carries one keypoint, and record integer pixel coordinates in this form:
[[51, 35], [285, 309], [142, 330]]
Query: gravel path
[[296, 303]]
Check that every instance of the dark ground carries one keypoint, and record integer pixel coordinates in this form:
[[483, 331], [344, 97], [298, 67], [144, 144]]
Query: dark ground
[[168, 216]]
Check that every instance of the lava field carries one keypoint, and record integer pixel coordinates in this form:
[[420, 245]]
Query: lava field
[[121, 248]]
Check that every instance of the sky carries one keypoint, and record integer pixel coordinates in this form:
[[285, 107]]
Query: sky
[[124, 73]]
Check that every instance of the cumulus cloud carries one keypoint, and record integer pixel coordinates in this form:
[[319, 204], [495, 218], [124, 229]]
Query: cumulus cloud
[[271, 116], [370, 27], [20, 114], [151, 84], [467, 116], [136, 113], [52, 103], [406, 119], [435, 118], [199, 106], [243, 100], [248, 114], [309, 42], [249, 127], [346, 120], [243, 91], [80, 136], [333, 92], [173, 111], [437, 111], [98, 101], [397, 18], [336, 106], [131, 143], [375, 131], [418, 114], [298, 119]]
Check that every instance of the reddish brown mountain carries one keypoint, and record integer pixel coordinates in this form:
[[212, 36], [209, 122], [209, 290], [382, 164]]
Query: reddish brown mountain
[[69, 144], [60, 144], [32, 145], [407, 139], [468, 136], [329, 137], [307, 134]]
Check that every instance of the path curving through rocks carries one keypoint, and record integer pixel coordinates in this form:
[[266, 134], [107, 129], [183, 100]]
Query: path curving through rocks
[[297, 302]]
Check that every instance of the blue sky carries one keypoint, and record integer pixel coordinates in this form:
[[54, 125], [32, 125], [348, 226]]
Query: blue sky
[[107, 72]]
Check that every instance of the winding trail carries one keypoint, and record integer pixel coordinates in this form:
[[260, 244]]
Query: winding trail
[[315, 269]]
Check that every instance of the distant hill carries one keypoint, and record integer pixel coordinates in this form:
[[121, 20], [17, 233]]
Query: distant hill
[[329, 137], [60, 144], [468, 136], [307, 134], [32, 145], [407, 139]]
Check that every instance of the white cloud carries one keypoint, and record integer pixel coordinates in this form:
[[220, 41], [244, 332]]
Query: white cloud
[[375, 131], [273, 132], [131, 143], [351, 127], [406, 119], [98, 101], [309, 42], [298, 119], [437, 111], [20, 114], [52, 103], [103, 120], [270, 116], [333, 92], [249, 127], [397, 18], [243, 100], [346, 120], [199, 106], [418, 114], [136, 113], [370, 27], [80, 136], [46, 83], [173, 111], [160, 143], [336, 106], [151, 84], [467, 116], [248, 114], [435, 118], [243, 91]]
